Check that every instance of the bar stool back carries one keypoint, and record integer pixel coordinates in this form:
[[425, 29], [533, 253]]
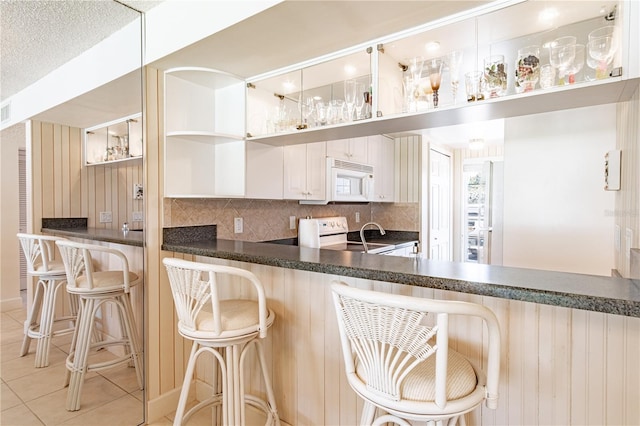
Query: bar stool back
[[398, 359], [224, 328], [93, 289], [39, 252]]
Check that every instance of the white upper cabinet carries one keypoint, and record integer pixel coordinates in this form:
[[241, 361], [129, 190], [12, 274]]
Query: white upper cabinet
[[518, 58], [204, 134], [305, 171], [352, 149], [113, 142], [382, 158]]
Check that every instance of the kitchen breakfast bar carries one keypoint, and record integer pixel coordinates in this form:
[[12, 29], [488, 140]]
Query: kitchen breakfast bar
[[570, 342]]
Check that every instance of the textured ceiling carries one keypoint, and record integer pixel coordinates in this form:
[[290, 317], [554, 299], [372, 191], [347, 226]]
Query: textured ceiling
[[38, 36]]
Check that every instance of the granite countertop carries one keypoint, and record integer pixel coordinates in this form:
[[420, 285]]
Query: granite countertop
[[131, 238], [588, 292]]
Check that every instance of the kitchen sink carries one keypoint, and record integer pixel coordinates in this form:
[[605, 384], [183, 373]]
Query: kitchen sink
[[372, 247]]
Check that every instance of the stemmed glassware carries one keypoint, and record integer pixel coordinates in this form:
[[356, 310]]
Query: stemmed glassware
[[415, 70], [562, 54], [577, 64], [360, 101], [455, 61], [307, 108], [434, 70], [602, 47], [350, 97]]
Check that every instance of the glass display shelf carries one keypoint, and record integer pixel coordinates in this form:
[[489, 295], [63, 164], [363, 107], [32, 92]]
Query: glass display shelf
[[114, 142]]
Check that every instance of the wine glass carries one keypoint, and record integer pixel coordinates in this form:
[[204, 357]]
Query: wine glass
[[360, 89], [602, 50], [455, 61], [578, 62], [434, 70], [306, 109], [562, 54], [350, 97], [415, 70]]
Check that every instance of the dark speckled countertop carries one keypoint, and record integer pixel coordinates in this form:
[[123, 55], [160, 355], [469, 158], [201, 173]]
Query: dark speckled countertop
[[588, 292], [131, 238]]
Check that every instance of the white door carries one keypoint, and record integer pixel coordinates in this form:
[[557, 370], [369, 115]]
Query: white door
[[440, 206]]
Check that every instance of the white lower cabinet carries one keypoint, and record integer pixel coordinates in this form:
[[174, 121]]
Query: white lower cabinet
[[305, 171], [381, 153]]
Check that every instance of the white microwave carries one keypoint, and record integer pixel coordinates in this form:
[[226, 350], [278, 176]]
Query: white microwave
[[347, 182]]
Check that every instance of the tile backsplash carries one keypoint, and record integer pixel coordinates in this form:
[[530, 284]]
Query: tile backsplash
[[265, 220]]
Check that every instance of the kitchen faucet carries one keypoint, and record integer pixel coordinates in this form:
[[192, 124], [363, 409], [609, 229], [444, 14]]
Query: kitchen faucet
[[364, 242]]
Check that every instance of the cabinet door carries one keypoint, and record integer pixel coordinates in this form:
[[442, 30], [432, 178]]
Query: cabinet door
[[354, 149], [264, 171], [295, 172], [316, 170], [381, 157], [358, 149]]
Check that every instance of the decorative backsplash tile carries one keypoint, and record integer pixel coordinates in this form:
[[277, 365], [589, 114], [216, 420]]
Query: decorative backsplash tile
[[265, 220]]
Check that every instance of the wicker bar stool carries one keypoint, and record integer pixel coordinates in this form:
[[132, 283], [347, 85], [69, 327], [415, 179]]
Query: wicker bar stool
[[93, 289], [398, 360], [225, 328], [39, 253]]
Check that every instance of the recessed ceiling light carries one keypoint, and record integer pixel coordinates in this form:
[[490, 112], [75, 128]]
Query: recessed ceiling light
[[288, 86], [349, 70], [548, 15], [432, 46]]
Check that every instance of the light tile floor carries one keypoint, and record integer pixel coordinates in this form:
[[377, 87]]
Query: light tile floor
[[37, 396], [32, 396]]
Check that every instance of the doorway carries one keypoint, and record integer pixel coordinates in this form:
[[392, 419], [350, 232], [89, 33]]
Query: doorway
[[439, 206]]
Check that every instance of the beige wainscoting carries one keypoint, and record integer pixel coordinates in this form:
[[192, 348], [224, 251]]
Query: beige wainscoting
[[559, 366], [62, 187]]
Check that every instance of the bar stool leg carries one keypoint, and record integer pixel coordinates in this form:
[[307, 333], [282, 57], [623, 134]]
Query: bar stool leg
[[186, 384], [31, 322], [47, 319], [131, 334], [77, 359]]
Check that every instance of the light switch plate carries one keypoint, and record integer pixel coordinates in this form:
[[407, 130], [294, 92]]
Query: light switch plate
[[105, 217], [137, 191], [237, 225], [628, 237], [292, 222]]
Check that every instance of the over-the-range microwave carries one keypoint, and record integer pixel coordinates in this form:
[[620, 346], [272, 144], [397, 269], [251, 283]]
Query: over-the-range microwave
[[346, 182]]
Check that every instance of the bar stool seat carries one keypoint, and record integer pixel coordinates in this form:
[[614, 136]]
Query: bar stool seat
[[397, 357], [39, 252], [93, 289], [225, 328]]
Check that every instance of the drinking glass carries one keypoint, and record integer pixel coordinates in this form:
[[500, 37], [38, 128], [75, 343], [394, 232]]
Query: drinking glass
[[321, 113], [527, 69], [547, 76], [474, 82], [360, 89], [495, 76], [350, 97], [602, 50], [578, 62], [415, 71], [306, 109], [561, 55], [455, 61], [434, 69]]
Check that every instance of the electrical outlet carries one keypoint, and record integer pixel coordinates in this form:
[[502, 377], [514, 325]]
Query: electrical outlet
[[138, 217], [105, 217], [292, 222], [357, 217], [628, 237], [237, 225]]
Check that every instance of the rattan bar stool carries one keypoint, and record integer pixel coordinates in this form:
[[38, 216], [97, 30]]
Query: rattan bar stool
[[398, 359], [225, 328], [93, 289], [39, 252]]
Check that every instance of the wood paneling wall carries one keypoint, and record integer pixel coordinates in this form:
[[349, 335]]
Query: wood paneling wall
[[627, 210], [62, 187], [559, 366]]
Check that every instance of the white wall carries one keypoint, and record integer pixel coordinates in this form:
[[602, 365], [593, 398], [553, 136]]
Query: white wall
[[556, 210], [11, 139]]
